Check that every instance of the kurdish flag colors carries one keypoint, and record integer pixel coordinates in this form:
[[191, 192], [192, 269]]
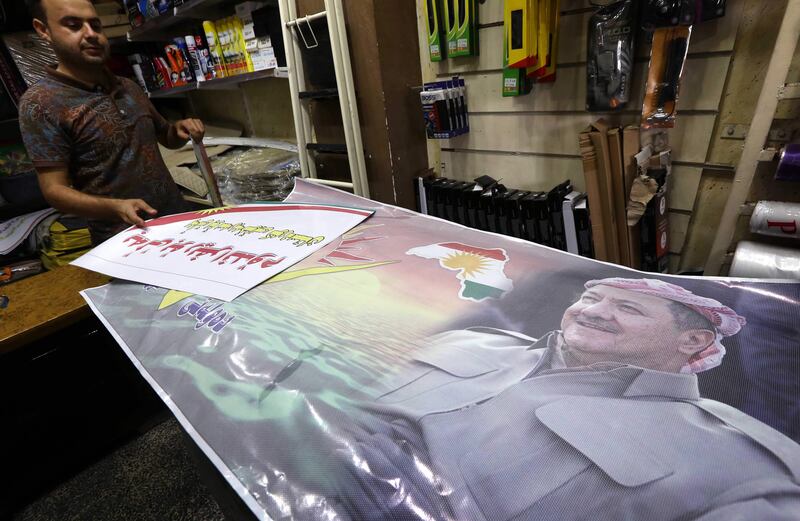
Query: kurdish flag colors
[[480, 270]]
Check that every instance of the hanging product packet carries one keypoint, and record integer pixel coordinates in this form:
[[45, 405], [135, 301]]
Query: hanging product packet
[[657, 14], [610, 56], [667, 57]]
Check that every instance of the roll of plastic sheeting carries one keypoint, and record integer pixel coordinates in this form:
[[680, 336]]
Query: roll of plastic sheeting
[[789, 163], [764, 261], [775, 218]]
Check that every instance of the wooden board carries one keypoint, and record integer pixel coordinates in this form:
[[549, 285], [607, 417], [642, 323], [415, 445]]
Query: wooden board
[[270, 107], [678, 226], [683, 184], [712, 193], [44, 303]]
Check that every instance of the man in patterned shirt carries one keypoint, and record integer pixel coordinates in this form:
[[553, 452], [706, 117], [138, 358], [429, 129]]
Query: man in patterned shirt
[[93, 137]]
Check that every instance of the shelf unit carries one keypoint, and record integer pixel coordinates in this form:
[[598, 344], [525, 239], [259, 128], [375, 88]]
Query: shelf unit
[[187, 18], [154, 29], [229, 83]]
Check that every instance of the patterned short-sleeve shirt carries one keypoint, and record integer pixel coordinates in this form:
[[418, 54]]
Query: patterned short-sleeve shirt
[[106, 138]]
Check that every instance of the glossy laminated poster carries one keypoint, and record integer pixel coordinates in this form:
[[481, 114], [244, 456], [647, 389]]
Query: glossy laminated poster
[[415, 369]]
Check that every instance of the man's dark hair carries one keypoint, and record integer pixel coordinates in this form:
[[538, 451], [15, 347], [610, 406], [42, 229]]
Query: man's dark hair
[[687, 318], [36, 9]]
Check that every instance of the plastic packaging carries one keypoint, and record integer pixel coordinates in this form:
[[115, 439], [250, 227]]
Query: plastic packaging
[[765, 261], [789, 163], [19, 270], [667, 57], [256, 174], [776, 219], [610, 56], [31, 53], [657, 14], [710, 9]]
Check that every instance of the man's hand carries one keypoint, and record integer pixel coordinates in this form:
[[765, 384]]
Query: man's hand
[[190, 128], [127, 210]]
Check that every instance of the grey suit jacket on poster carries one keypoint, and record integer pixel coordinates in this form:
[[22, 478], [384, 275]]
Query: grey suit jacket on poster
[[515, 435]]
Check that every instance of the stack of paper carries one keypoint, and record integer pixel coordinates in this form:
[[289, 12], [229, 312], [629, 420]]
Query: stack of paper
[[14, 231], [65, 239]]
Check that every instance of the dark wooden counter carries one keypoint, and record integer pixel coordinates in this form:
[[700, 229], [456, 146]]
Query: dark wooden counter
[[43, 304]]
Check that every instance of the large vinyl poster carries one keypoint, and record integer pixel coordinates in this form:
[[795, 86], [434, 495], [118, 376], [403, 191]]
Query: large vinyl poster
[[415, 369]]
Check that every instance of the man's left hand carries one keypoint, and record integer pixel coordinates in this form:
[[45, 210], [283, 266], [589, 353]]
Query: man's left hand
[[190, 128]]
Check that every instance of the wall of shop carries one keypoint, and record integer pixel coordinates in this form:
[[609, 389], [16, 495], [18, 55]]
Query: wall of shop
[[531, 142], [261, 108], [755, 40]]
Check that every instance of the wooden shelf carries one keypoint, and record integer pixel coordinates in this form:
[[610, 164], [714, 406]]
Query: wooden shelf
[[229, 83], [154, 28], [197, 8], [320, 94], [173, 91]]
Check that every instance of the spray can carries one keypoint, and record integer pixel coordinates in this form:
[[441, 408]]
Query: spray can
[[214, 50], [188, 72], [148, 8], [191, 50], [163, 6], [231, 65], [241, 45], [136, 64], [135, 16], [162, 72], [204, 57]]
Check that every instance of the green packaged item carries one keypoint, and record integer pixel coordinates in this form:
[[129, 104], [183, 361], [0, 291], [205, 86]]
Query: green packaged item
[[515, 81], [461, 27], [436, 33]]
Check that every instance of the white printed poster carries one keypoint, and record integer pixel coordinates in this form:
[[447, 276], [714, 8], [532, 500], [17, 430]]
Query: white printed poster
[[224, 252], [16, 230]]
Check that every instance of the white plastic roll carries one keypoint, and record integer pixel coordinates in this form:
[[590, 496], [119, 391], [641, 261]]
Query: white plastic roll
[[775, 218], [764, 261]]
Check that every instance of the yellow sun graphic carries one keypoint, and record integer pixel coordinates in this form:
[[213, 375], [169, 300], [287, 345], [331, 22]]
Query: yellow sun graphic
[[469, 262], [211, 211]]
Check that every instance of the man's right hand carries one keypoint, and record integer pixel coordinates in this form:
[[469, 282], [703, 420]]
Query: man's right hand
[[56, 187], [127, 210]]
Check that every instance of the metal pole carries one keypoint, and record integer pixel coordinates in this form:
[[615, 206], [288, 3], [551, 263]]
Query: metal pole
[[757, 134], [306, 19], [338, 184]]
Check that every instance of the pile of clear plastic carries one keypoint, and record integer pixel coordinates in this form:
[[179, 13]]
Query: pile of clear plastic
[[255, 174]]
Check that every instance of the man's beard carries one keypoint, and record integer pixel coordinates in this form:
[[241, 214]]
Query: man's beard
[[76, 58]]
